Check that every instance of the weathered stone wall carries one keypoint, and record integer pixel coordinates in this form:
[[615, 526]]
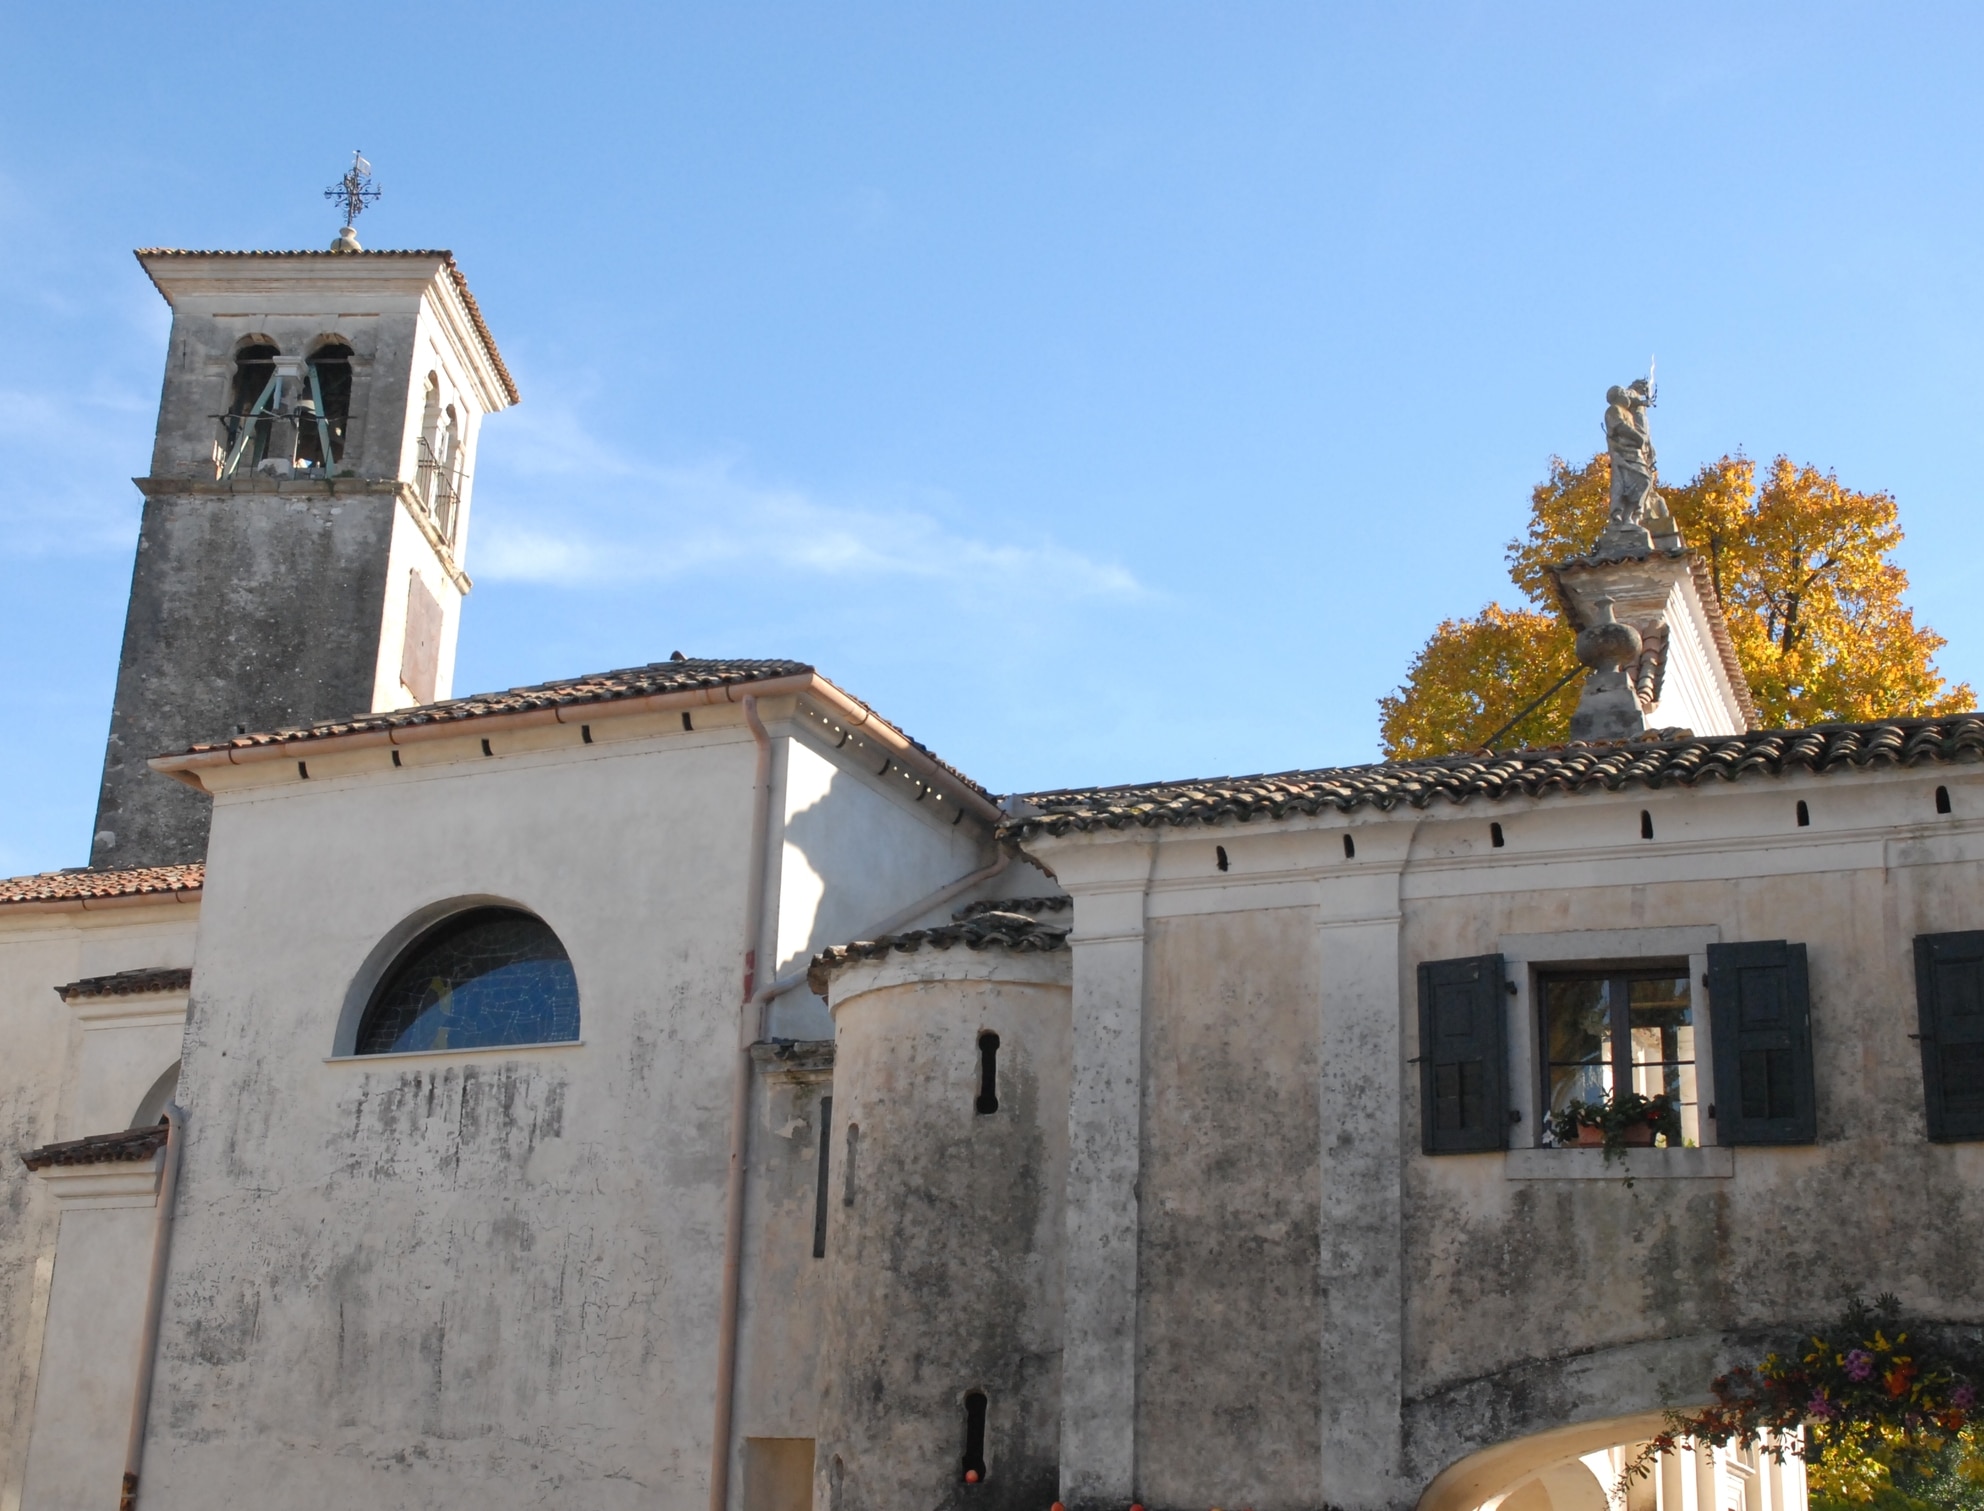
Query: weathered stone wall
[[1519, 1287], [254, 610], [1318, 1298], [945, 1247], [1230, 1324]]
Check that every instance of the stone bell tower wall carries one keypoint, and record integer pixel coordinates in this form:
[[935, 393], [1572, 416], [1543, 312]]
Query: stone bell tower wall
[[267, 595], [945, 1274]]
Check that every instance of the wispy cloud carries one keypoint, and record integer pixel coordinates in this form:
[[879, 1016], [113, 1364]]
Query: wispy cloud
[[651, 522]]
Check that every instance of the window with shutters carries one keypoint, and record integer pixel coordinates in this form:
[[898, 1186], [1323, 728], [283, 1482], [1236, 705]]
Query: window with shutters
[[1761, 1022], [1949, 998], [1624, 1029], [1463, 1055]]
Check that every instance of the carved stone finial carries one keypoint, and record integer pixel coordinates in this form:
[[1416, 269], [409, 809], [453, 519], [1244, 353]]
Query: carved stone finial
[[1606, 645]]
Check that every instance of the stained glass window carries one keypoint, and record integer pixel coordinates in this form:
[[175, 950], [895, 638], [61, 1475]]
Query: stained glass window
[[486, 977]]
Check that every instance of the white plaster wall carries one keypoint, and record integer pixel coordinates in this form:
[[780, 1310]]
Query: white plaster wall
[[1694, 687], [45, 1096], [852, 854], [778, 1387], [83, 1396], [116, 1067], [410, 552], [469, 1278], [487, 1277]]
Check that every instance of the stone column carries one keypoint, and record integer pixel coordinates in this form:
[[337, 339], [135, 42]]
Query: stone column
[[1099, 1355], [1362, 1167]]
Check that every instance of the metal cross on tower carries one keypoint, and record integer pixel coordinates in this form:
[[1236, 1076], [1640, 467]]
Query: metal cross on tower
[[356, 192]]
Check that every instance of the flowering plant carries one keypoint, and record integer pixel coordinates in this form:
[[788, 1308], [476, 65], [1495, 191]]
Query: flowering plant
[[1612, 1116], [1875, 1405]]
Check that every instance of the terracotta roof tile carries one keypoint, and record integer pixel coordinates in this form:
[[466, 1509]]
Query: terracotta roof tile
[[128, 984], [597, 687], [1677, 760], [1019, 932], [673, 676], [83, 884], [1035, 905], [129, 1146]]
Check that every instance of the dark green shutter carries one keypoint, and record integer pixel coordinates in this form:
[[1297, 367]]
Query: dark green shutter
[[1463, 1056], [1759, 1009], [1949, 999]]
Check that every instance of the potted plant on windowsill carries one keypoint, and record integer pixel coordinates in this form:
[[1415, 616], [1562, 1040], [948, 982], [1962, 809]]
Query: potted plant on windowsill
[[1623, 1120]]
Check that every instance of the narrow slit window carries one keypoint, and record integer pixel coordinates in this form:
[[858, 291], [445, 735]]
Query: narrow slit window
[[1495, 835], [820, 1189], [1349, 848], [974, 1437], [1804, 815], [853, 1149], [1942, 800], [1646, 824], [1219, 856], [988, 1072]]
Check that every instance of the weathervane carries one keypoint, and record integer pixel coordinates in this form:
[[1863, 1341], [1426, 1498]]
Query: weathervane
[[356, 192]]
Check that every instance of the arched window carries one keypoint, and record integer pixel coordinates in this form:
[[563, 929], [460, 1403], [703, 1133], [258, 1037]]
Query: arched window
[[325, 409], [486, 977], [152, 1108], [246, 426]]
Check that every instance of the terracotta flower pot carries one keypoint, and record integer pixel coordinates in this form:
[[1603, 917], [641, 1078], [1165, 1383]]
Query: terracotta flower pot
[[1590, 1135], [1637, 1135]]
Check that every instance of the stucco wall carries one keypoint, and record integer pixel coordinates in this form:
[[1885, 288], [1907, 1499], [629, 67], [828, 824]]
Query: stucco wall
[[484, 1276], [50, 1090], [489, 1275]]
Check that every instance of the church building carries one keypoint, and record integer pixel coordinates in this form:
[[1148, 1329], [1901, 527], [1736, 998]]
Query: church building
[[678, 1088]]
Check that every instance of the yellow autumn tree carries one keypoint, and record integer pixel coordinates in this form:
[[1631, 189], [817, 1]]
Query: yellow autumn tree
[[1808, 582]]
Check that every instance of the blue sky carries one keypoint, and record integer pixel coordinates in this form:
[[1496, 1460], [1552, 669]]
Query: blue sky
[[1106, 392]]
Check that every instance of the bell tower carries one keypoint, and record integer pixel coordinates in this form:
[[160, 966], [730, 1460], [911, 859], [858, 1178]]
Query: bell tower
[[306, 512]]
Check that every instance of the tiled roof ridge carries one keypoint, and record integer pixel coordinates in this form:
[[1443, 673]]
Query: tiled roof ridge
[[85, 884], [1676, 758], [688, 674], [983, 931], [156, 978], [1013, 905], [561, 692], [459, 278], [127, 1146]]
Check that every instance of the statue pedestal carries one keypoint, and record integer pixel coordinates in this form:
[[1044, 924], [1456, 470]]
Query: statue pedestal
[[1621, 539], [1609, 709]]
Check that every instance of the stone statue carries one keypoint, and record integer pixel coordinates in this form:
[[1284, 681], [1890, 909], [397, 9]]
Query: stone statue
[[1639, 521], [1631, 450]]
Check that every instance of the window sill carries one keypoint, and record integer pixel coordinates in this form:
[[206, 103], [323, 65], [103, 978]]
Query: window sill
[[453, 1054], [1713, 1163]]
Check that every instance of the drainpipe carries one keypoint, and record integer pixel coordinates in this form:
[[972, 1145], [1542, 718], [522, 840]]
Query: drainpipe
[[141, 1398], [750, 1011]]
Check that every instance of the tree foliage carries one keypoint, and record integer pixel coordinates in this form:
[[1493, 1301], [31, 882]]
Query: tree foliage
[[1805, 570], [1885, 1419]]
